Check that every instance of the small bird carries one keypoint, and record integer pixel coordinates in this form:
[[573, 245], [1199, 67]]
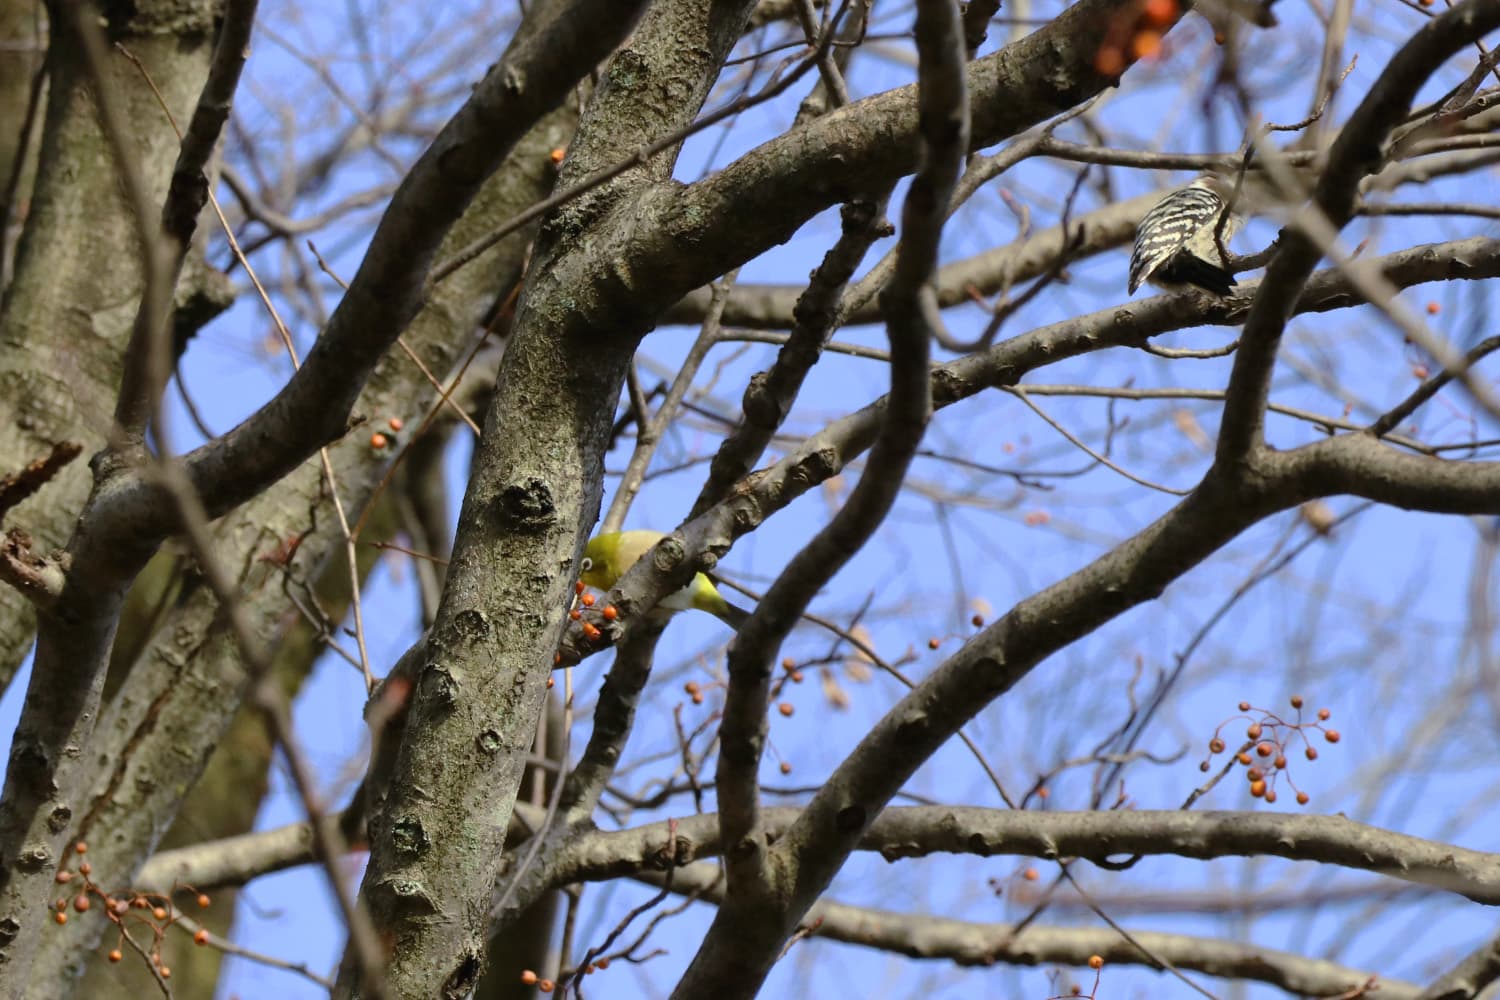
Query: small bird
[[608, 556], [1175, 246]]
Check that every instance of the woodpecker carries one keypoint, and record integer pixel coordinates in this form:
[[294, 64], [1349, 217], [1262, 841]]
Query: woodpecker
[[1175, 245]]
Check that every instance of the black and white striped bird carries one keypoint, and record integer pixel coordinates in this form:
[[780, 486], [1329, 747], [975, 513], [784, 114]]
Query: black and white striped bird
[[1175, 246]]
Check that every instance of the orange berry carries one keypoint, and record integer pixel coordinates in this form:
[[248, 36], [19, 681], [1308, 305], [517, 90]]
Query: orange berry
[[1312, 753], [698, 699], [1419, 371], [934, 642], [587, 600], [395, 423], [1243, 758], [1255, 774], [545, 986], [603, 963], [1425, 3], [1257, 789], [1160, 13], [1109, 61], [1203, 767], [61, 918], [1043, 792], [166, 973], [1253, 731], [591, 630], [977, 621], [1096, 962], [82, 903], [201, 937], [692, 687], [1296, 701], [575, 614], [796, 676], [550, 682], [1323, 714], [115, 955], [1244, 706], [1145, 44], [786, 768], [81, 847], [1332, 736], [1215, 745], [85, 868], [61, 904], [556, 156], [1271, 795], [1220, 38], [379, 440], [1030, 875], [578, 587], [610, 613], [1264, 749], [788, 663], [1303, 798], [1280, 762], [528, 978], [159, 913], [63, 878], [785, 708]]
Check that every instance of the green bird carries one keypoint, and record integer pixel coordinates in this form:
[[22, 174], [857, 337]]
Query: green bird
[[608, 556]]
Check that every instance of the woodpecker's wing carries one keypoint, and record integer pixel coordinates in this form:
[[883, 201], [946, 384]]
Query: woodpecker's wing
[[1168, 227]]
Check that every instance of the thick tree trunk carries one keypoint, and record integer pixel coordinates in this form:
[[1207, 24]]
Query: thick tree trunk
[[68, 312], [155, 738]]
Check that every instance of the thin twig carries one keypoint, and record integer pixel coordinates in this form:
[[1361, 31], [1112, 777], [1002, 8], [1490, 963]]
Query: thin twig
[[643, 155], [1020, 393]]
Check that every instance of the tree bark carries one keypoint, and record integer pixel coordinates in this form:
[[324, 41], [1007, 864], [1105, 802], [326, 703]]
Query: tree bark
[[68, 312], [180, 698]]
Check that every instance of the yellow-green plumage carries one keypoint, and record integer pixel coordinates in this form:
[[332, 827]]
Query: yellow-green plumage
[[610, 555]]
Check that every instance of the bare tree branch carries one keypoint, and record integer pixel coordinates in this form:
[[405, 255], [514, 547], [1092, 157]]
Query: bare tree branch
[[919, 831], [386, 291], [972, 944], [129, 512], [147, 365], [1469, 979], [1357, 153], [769, 395], [727, 960], [828, 452], [436, 844], [704, 230]]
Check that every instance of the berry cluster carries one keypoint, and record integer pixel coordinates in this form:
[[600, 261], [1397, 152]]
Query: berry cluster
[[126, 910], [1136, 33], [380, 440], [583, 600], [1268, 738], [530, 978]]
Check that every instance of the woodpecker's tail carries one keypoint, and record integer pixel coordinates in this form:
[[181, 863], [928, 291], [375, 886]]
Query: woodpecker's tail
[[1187, 269]]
